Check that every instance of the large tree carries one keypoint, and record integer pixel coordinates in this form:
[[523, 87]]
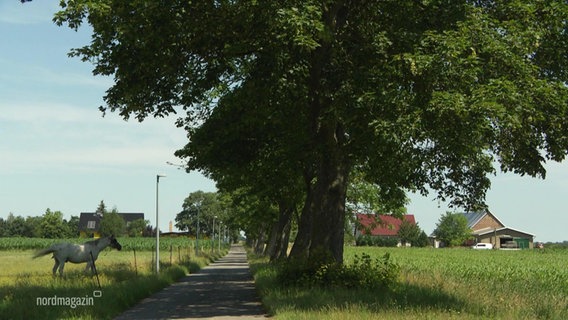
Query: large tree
[[199, 206], [419, 95], [112, 223], [52, 225], [452, 229]]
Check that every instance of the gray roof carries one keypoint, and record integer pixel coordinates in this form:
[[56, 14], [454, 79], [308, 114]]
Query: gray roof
[[473, 218]]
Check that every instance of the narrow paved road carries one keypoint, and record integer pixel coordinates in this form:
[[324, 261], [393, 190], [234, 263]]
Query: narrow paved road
[[223, 290]]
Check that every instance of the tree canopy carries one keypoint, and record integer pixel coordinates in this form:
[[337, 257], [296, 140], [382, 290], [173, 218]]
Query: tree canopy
[[417, 95], [452, 229]]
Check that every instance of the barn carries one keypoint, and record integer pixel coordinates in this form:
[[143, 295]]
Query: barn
[[487, 228]]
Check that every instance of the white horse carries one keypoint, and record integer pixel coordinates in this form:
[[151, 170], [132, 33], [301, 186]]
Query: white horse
[[78, 253]]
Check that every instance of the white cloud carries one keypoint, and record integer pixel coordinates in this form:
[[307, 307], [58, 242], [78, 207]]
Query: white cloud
[[38, 137]]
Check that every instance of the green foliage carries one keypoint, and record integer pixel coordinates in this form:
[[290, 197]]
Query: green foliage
[[411, 233], [203, 207], [422, 240], [136, 228], [16, 226], [367, 240], [112, 224], [364, 272], [420, 95], [52, 226], [73, 225], [452, 229]]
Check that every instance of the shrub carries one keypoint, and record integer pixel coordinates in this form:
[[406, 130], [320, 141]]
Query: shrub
[[364, 272], [366, 240]]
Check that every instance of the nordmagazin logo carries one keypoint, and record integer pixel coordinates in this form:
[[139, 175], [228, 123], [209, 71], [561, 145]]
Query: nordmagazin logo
[[71, 302]]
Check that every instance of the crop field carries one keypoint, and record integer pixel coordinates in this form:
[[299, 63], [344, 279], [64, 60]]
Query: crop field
[[438, 284], [139, 244], [526, 284], [29, 291]]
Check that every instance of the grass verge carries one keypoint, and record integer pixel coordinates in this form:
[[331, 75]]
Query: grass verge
[[39, 295]]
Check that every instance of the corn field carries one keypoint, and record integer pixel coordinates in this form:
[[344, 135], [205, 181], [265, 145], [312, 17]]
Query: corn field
[[526, 284], [139, 244]]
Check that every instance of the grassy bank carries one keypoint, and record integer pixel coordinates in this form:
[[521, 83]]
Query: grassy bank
[[434, 284], [29, 291]]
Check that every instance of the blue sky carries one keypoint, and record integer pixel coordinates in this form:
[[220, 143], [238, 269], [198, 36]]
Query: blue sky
[[58, 152]]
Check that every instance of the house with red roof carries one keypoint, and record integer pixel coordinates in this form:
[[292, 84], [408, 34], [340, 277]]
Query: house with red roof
[[385, 226]]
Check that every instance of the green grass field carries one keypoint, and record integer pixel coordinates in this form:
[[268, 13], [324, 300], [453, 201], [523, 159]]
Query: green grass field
[[433, 284], [436, 284], [29, 291]]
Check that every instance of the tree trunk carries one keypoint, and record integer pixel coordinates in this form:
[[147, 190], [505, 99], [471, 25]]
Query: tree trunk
[[301, 247], [322, 224], [328, 230], [260, 241], [275, 245], [285, 240]]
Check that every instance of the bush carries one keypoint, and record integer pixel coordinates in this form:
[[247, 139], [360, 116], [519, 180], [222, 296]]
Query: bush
[[366, 240], [364, 272]]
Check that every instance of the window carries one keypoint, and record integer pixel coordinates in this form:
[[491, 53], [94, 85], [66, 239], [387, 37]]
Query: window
[[91, 224]]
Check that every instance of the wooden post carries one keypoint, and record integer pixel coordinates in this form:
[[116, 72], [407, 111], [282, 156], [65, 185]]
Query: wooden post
[[135, 264]]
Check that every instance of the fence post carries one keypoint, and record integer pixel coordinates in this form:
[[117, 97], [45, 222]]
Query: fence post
[[135, 264], [153, 264]]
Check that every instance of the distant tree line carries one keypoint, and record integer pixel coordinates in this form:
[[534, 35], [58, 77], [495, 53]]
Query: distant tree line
[[50, 225]]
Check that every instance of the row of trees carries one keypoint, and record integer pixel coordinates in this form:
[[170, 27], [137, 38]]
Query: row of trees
[[50, 225], [287, 103]]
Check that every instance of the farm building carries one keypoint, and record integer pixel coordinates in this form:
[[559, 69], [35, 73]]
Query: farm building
[[90, 222], [488, 229], [385, 226]]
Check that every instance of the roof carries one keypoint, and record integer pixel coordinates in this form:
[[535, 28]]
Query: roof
[[382, 225], [490, 230], [85, 217], [474, 217]]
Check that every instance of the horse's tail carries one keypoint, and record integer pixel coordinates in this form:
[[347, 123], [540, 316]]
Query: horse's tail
[[44, 252]]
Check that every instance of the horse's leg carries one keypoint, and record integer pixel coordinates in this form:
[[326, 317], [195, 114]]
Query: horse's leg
[[55, 266], [61, 265], [88, 266]]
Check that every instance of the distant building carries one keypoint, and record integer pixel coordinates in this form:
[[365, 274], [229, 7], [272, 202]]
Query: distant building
[[90, 222], [384, 226], [488, 229]]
